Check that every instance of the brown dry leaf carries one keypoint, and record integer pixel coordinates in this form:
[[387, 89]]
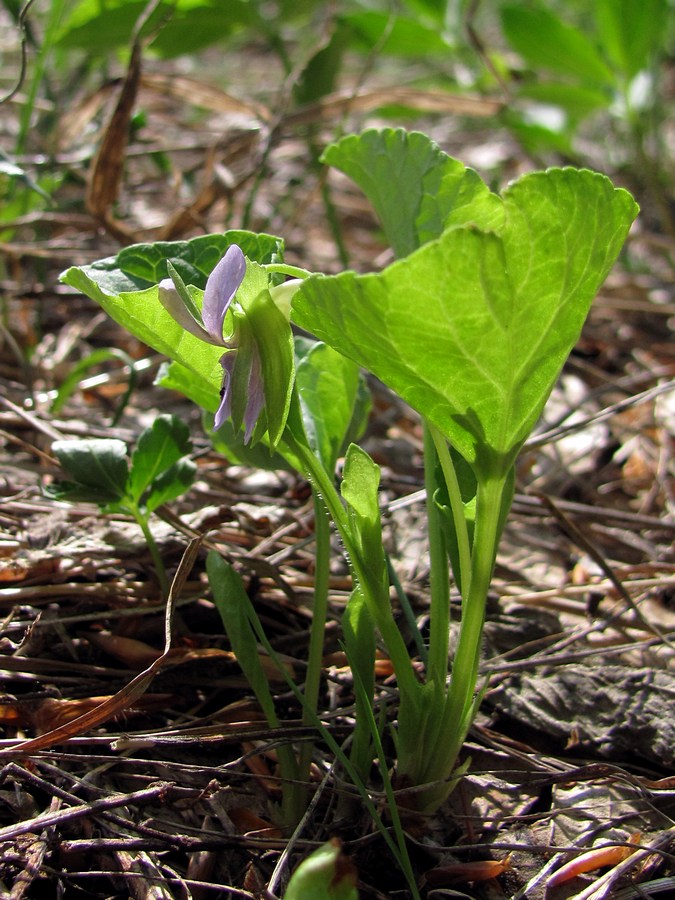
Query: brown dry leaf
[[212, 188], [33, 565], [179, 87], [248, 823], [105, 175], [241, 712], [198, 93], [134, 653], [461, 873], [272, 673], [75, 122], [257, 764], [51, 713], [123, 699], [339, 103], [598, 858], [253, 880]]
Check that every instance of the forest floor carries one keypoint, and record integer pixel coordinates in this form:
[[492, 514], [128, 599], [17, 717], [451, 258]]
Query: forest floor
[[169, 794]]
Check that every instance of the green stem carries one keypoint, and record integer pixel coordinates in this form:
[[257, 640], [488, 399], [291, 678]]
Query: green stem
[[376, 595], [460, 698], [408, 613], [400, 852], [318, 629], [457, 507], [39, 67], [285, 269], [439, 581], [154, 550]]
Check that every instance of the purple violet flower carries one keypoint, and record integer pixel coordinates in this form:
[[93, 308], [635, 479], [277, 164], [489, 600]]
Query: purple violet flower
[[221, 287]]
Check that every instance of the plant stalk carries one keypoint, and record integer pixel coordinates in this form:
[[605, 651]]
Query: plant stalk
[[460, 698], [376, 595], [160, 569], [439, 613], [318, 629]]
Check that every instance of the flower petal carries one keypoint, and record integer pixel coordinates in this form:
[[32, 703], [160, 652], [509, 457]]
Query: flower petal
[[173, 304], [221, 286], [282, 294], [224, 411], [256, 396]]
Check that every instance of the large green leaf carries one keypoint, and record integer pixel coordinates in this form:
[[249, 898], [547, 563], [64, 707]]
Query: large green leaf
[[195, 259], [141, 313], [546, 42], [416, 189], [631, 33], [472, 329], [141, 266]]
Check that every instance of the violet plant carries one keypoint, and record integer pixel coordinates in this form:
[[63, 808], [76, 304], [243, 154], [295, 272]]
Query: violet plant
[[101, 471], [471, 326]]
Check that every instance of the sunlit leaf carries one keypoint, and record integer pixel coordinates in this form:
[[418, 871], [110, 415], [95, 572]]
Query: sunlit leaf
[[328, 385], [472, 329], [98, 466], [158, 448], [416, 190]]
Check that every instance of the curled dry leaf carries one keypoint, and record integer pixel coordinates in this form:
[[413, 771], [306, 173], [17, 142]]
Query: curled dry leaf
[[459, 873], [599, 858]]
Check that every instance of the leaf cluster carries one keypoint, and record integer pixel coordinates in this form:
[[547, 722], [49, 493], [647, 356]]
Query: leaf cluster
[[604, 58], [474, 323], [158, 471]]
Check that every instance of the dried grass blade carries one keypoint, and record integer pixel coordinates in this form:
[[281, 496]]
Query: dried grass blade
[[130, 693]]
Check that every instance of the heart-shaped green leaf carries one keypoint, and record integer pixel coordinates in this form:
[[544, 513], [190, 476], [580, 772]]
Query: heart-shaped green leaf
[[158, 448], [100, 468], [173, 482], [416, 189], [473, 329]]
